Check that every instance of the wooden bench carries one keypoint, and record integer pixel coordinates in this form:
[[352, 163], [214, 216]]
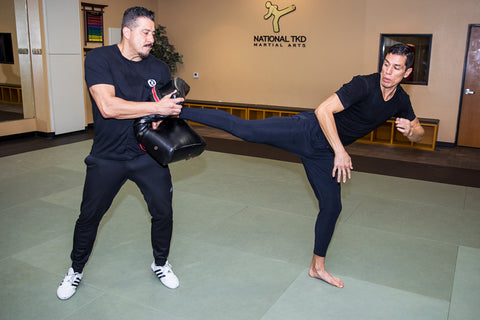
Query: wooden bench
[[10, 93]]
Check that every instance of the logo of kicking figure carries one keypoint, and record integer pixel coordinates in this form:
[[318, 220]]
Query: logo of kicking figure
[[277, 14]]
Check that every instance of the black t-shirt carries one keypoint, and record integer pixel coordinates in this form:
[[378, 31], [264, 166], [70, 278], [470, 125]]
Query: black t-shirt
[[114, 138], [365, 108]]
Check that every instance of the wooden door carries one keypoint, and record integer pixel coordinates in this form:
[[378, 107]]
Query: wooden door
[[469, 124]]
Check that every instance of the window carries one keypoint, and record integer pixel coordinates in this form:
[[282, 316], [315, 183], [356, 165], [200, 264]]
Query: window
[[420, 44]]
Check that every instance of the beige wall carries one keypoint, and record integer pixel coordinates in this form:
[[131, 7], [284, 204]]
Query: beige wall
[[218, 43], [216, 36]]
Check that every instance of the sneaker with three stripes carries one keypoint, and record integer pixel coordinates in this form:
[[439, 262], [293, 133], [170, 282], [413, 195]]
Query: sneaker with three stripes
[[166, 275], [69, 285]]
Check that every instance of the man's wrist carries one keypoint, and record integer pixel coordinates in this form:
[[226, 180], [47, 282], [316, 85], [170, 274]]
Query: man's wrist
[[410, 132]]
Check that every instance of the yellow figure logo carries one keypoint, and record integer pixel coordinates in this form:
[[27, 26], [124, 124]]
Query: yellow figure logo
[[277, 14]]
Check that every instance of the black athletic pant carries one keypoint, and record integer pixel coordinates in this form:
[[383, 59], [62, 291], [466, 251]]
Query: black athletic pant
[[103, 181], [301, 135]]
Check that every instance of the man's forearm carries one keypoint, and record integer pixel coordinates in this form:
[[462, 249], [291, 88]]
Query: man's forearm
[[111, 106], [327, 124]]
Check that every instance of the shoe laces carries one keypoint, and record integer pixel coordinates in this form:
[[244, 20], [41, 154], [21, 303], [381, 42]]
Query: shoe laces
[[73, 278], [167, 267]]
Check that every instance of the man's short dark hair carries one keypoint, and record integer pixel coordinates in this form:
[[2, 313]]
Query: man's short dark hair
[[403, 50], [131, 14]]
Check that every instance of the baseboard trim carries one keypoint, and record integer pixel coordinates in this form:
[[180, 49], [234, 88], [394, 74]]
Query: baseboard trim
[[446, 144], [42, 134]]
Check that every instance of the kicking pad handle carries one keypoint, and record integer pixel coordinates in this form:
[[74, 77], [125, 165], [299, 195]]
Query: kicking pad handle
[[174, 139]]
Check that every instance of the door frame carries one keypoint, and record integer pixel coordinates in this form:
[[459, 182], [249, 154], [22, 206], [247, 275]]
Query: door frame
[[467, 47]]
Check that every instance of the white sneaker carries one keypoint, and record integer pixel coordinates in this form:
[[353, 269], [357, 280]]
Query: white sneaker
[[166, 275], [68, 287]]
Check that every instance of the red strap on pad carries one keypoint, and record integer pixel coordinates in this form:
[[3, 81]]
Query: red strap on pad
[[154, 95]]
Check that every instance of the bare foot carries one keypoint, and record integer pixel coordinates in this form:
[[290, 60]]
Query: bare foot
[[317, 270], [325, 276]]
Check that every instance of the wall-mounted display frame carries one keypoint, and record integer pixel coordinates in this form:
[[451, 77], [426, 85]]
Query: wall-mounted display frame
[[93, 22], [421, 44]]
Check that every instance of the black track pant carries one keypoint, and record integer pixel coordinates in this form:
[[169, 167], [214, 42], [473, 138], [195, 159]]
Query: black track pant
[[300, 135], [103, 181]]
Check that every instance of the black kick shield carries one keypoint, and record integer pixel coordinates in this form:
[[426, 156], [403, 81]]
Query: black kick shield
[[174, 139]]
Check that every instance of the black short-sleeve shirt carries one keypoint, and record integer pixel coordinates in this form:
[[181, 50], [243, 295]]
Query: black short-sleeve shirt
[[114, 138], [365, 108]]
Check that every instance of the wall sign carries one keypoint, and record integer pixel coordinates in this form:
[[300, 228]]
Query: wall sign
[[277, 40]]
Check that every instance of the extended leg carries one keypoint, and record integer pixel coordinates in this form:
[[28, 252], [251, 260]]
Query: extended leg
[[287, 133]]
